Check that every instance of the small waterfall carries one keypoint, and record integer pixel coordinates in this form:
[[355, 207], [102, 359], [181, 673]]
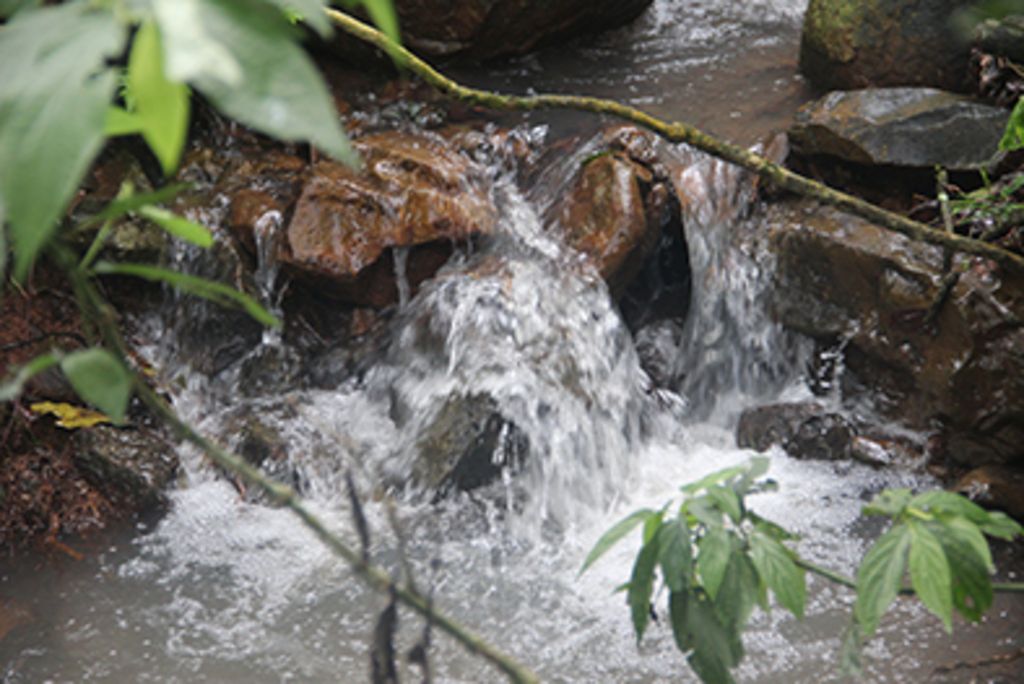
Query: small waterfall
[[533, 328]]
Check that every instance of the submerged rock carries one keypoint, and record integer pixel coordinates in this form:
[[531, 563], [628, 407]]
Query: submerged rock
[[468, 445], [849, 44], [416, 197], [917, 127], [839, 277]]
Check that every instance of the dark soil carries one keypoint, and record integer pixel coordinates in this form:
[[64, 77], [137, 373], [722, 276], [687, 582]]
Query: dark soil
[[45, 499]]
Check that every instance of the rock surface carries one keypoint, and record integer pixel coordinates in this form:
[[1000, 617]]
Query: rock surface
[[842, 278], [995, 487], [139, 464], [917, 127], [804, 430], [468, 445], [416, 193], [484, 29], [616, 207], [848, 44]]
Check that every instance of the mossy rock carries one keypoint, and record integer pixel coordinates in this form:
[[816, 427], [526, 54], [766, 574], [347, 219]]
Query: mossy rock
[[850, 44]]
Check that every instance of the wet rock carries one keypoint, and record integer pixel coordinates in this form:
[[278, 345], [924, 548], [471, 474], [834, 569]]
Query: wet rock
[[803, 430], [468, 445], [840, 277], [881, 453], [270, 368], [416, 197], [848, 44], [605, 217], [254, 432], [484, 29], [136, 463], [915, 127], [995, 487]]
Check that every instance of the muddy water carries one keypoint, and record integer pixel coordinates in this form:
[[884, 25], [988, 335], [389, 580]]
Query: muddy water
[[221, 590]]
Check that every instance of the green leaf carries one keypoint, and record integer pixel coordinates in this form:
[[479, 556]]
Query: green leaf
[[969, 566], [929, 573], [1013, 137], [704, 510], [3, 247], [880, 575], [641, 584], [120, 122], [716, 647], [161, 107], [968, 533], [678, 611], [851, 661], [128, 201], [224, 295], [101, 379], [614, 535], [1002, 526], [653, 524], [715, 478], [11, 389], [676, 556], [54, 91], [770, 529], [757, 467], [727, 501], [244, 57], [941, 501], [382, 13], [9, 7], [782, 575], [890, 502], [311, 12], [741, 590], [715, 549], [176, 225]]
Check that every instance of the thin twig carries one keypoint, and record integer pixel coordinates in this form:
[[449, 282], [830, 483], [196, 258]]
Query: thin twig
[[681, 133]]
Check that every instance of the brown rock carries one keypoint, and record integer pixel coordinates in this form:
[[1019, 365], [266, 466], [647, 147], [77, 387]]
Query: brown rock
[[996, 487], [839, 277], [483, 29], [850, 44], [415, 192], [605, 217]]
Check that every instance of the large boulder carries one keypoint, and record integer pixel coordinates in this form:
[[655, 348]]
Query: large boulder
[[484, 29], [843, 279], [851, 44], [913, 127], [416, 196]]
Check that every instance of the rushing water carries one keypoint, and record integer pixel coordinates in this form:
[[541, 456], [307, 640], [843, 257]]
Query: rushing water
[[224, 590]]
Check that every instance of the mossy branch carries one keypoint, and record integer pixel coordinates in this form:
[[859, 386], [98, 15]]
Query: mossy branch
[[681, 133]]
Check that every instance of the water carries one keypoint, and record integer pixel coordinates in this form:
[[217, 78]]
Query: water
[[226, 589]]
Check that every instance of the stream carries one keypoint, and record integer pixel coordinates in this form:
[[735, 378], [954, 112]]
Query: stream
[[224, 589]]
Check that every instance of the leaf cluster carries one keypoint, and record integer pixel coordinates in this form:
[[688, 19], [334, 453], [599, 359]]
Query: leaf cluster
[[718, 560], [59, 89], [62, 95], [940, 537]]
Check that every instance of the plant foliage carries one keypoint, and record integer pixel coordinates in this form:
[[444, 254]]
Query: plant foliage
[[718, 561]]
